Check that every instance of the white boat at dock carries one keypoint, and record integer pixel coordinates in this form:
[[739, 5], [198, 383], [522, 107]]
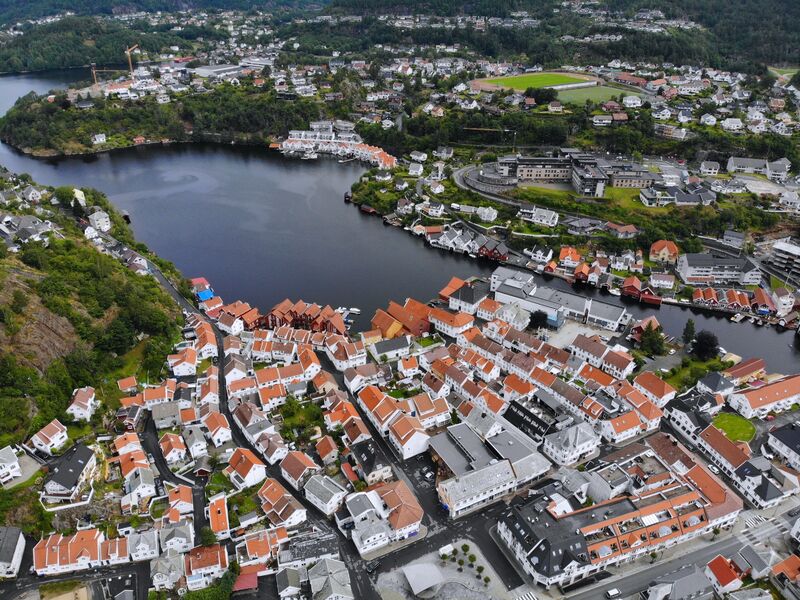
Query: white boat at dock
[[737, 317], [309, 156], [355, 311], [615, 292]]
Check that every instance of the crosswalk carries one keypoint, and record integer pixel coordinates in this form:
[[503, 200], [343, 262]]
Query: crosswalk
[[528, 596], [754, 521], [758, 528]]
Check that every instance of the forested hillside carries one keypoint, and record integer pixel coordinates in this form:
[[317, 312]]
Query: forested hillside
[[76, 41], [764, 31], [245, 114], [16, 10], [69, 316]]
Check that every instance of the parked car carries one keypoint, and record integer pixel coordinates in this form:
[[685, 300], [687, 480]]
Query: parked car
[[372, 566], [713, 469], [613, 593]]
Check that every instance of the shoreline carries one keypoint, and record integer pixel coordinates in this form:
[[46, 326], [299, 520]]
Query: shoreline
[[62, 155]]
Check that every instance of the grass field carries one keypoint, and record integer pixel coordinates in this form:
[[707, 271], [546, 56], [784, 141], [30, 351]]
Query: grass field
[[736, 427], [599, 93], [784, 70], [534, 80]]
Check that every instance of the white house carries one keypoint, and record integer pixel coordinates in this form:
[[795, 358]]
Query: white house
[[219, 431], [408, 436], [777, 396], [632, 101], [9, 466], [568, 446], [451, 324], [143, 545], [12, 547], [84, 403], [245, 469], [100, 221], [51, 437], [204, 565], [324, 493]]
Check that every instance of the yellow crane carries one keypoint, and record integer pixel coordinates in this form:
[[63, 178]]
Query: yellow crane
[[130, 61], [95, 71]]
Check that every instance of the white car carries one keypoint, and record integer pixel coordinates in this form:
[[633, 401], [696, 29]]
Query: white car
[[713, 469], [613, 593]]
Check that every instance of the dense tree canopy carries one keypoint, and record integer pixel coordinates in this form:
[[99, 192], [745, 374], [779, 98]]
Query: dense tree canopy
[[77, 41]]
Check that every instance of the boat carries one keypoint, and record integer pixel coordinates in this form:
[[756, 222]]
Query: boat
[[615, 292], [309, 155], [347, 160], [473, 255], [355, 311], [341, 309], [737, 317]]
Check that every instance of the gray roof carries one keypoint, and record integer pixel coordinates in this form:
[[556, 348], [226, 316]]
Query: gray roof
[[689, 581], [788, 434], [606, 311], [423, 576], [7, 456], [71, 466], [716, 382], [472, 293], [701, 259], [170, 564], [172, 531], [140, 477], [322, 487], [572, 437], [148, 538], [288, 578], [308, 547], [468, 484], [330, 578], [461, 449], [9, 538], [392, 345]]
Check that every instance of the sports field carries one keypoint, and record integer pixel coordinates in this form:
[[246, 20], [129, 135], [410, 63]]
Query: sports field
[[598, 93], [534, 80]]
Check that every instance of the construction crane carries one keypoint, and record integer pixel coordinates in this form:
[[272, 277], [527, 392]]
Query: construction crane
[[130, 62], [95, 71], [499, 129]]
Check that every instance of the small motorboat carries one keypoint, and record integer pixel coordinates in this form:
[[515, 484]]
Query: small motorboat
[[355, 311]]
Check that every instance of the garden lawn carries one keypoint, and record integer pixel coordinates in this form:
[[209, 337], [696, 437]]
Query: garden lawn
[[775, 283], [534, 80], [735, 427]]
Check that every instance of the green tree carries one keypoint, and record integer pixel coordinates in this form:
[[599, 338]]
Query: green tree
[[207, 537], [652, 341], [688, 331], [538, 319], [706, 345]]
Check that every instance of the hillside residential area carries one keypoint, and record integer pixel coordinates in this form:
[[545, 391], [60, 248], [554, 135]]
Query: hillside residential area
[[568, 366]]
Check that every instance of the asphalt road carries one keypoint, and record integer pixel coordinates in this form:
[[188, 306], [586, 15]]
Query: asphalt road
[[636, 582]]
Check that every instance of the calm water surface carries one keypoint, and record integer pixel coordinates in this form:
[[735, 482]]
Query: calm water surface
[[262, 228]]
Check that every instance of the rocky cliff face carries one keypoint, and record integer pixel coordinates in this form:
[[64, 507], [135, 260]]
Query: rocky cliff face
[[38, 336]]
